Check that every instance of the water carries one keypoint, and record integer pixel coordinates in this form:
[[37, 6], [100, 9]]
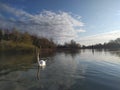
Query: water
[[75, 70]]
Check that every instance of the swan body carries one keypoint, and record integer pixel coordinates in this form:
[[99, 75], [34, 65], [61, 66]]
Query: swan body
[[41, 62]]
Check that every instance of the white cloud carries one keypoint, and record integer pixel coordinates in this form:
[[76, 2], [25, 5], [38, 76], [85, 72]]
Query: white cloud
[[57, 25], [14, 11], [80, 30], [100, 38]]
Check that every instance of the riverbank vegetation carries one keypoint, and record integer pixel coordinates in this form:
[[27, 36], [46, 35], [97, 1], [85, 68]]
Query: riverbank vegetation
[[112, 44], [14, 40], [70, 45]]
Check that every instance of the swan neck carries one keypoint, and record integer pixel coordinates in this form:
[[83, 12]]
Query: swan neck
[[38, 58]]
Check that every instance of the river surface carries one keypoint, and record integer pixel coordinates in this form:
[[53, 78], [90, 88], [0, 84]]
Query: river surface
[[69, 70]]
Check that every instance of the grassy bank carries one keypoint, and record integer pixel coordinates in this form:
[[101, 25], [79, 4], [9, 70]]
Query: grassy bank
[[14, 47], [13, 40]]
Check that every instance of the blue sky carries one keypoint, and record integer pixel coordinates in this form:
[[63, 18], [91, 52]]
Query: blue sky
[[85, 21]]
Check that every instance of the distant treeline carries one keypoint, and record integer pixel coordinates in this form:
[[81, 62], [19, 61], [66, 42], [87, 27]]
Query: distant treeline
[[70, 45], [15, 40], [112, 44]]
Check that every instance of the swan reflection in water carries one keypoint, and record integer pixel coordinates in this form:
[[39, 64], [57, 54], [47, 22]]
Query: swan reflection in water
[[41, 65], [38, 71]]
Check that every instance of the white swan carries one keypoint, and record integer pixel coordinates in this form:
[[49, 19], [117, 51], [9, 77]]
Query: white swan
[[41, 63]]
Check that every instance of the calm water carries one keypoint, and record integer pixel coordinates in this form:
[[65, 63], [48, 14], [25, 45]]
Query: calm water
[[78, 70]]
